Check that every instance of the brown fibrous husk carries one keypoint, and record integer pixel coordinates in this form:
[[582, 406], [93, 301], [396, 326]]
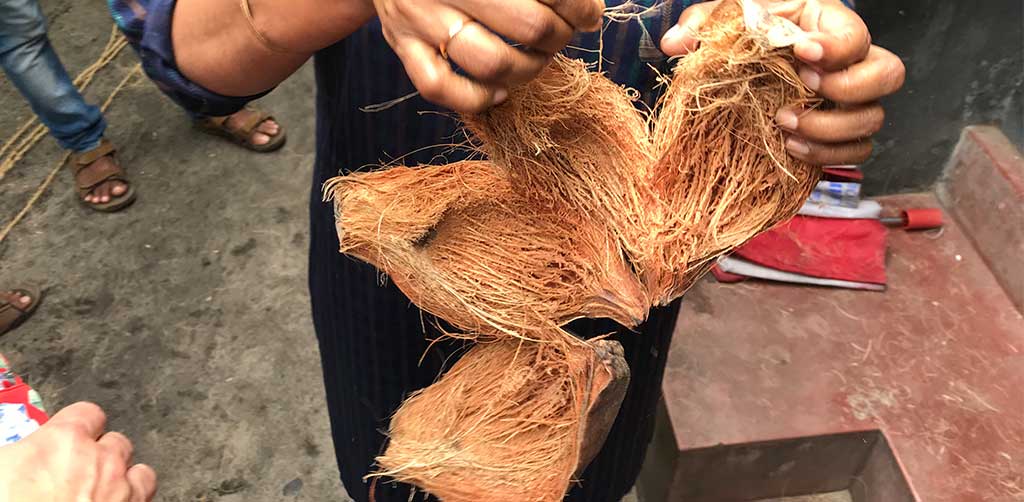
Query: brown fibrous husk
[[585, 207], [723, 171], [460, 242], [512, 435]]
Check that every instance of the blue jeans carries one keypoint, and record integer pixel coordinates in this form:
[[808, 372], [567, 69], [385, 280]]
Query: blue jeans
[[30, 62]]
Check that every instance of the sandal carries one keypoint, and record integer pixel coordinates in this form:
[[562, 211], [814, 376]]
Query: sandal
[[12, 313], [242, 133], [86, 180]]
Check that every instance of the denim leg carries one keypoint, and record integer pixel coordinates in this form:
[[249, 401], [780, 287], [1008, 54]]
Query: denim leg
[[32, 65]]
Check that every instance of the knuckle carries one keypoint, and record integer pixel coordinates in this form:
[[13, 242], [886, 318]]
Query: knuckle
[[69, 432], [122, 442], [405, 8], [537, 28], [114, 466], [843, 86], [431, 87], [592, 12], [695, 15], [119, 491], [145, 474], [497, 67], [94, 409]]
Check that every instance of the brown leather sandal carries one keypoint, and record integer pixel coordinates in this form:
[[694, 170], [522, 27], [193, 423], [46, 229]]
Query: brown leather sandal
[[12, 314], [86, 180], [242, 133]]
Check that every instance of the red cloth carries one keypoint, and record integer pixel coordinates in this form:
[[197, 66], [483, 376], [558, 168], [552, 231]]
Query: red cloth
[[726, 277], [849, 250], [17, 393], [842, 174]]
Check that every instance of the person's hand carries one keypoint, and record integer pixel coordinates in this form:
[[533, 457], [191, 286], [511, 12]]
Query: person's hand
[[70, 458], [429, 35], [838, 61]]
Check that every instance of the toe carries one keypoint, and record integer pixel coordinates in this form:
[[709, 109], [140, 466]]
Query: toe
[[118, 189], [102, 193], [259, 138], [269, 127]]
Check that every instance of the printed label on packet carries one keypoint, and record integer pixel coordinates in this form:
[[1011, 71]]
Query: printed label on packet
[[836, 193], [15, 424]]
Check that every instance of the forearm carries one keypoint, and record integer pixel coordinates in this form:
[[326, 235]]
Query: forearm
[[215, 46]]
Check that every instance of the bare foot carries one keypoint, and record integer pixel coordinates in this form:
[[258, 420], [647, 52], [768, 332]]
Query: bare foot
[[107, 190], [263, 133]]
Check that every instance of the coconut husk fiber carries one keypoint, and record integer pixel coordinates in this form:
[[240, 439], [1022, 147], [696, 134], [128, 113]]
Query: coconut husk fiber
[[519, 435], [585, 207], [456, 239]]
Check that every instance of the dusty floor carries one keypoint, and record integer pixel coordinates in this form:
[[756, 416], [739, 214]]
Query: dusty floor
[[186, 317]]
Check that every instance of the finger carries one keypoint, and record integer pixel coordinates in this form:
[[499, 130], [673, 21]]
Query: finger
[[681, 39], [143, 481], [833, 126], [111, 483], [113, 488], [85, 417], [837, 37], [880, 74], [582, 15], [117, 443], [487, 58], [438, 83], [828, 154], [531, 24]]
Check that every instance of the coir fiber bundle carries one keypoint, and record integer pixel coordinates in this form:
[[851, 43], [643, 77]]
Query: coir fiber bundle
[[515, 435], [586, 207], [467, 248], [572, 138], [722, 170]]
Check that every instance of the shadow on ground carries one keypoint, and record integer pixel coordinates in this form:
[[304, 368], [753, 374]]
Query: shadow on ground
[[187, 316]]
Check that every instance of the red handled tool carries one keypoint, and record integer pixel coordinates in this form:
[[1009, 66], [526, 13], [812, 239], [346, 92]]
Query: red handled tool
[[915, 219]]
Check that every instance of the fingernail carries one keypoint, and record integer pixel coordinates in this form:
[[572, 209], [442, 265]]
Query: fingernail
[[797, 146], [809, 51], [811, 78], [787, 120], [673, 34], [500, 96]]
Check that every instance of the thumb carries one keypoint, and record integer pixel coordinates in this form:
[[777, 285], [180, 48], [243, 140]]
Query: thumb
[[681, 39]]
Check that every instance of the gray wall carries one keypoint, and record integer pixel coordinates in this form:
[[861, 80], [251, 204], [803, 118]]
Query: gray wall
[[964, 66]]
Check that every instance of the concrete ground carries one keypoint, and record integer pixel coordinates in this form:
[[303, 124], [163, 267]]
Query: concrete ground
[[186, 317]]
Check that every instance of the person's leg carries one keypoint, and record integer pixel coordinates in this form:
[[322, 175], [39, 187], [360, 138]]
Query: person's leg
[[33, 67], [232, 118]]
